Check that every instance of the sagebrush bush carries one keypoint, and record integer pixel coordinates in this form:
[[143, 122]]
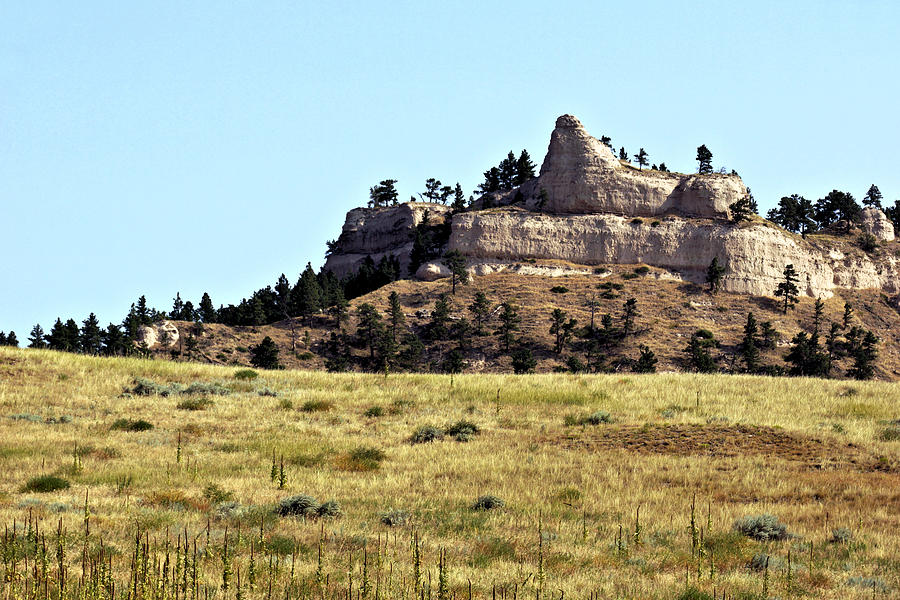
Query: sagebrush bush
[[45, 483], [374, 412], [890, 433], [598, 417], [841, 535], [488, 502], [763, 527], [426, 434], [306, 506], [329, 508], [205, 387], [146, 387], [215, 494], [758, 562], [246, 374], [462, 430], [316, 406], [201, 403], [132, 425], [229, 509], [362, 458], [395, 518], [266, 392]]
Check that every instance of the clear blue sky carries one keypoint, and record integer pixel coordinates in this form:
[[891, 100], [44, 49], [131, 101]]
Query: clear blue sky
[[211, 146]]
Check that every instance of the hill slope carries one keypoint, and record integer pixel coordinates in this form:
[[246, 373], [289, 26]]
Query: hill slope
[[811, 452]]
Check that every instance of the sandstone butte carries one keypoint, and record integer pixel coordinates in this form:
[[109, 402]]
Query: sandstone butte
[[599, 210]]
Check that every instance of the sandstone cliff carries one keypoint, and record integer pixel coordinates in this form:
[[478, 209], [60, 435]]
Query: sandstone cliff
[[379, 232]]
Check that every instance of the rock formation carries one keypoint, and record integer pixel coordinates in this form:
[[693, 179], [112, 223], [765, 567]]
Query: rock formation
[[164, 334], [580, 175], [596, 209], [379, 232]]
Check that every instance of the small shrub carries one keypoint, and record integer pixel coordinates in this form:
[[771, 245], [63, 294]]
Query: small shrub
[[395, 518], [630, 276], [758, 562], [132, 425], [216, 495], [654, 224], [868, 242], [426, 434], [305, 356], [329, 508], [841, 535], [316, 406], [463, 431], [145, 387], [559, 289], [45, 484], [207, 388], [642, 270], [242, 349], [890, 433], [246, 374], [693, 593], [597, 418], [201, 403], [267, 393], [373, 412], [298, 506], [229, 509], [763, 527], [487, 502], [600, 270], [363, 458], [637, 221], [285, 404]]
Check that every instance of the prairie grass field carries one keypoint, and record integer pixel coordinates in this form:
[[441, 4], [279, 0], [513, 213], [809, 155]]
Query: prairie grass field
[[128, 478]]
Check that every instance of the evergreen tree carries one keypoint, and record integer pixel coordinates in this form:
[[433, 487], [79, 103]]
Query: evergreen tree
[[748, 347], [769, 335], [491, 182], [2, 338], [177, 307], [89, 338], [456, 262], [698, 352], [508, 171], [453, 362], [73, 336], [741, 209], [383, 194], [646, 362], [207, 311], [641, 158], [787, 289], [265, 354], [893, 213], [818, 309], [663, 168], [481, 312], [873, 197], [57, 338], [509, 324], [36, 338], [461, 332], [440, 318], [524, 168], [754, 207], [836, 206], [714, 274], [369, 326], [561, 328], [11, 339], [607, 141], [832, 343], [396, 317], [143, 312], [523, 361], [704, 160], [864, 351], [306, 297], [630, 312], [459, 199], [113, 341], [806, 357], [340, 309], [622, 154], [848, 314]]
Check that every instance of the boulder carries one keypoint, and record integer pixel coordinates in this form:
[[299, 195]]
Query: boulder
[[875, 222], [163, 334]]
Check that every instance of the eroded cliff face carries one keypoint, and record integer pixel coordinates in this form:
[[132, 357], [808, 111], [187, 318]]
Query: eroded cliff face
[[754, 254], [379, 232], [580, 175]]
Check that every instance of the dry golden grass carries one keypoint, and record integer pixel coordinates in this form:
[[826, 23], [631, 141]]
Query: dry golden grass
[[808, 451]]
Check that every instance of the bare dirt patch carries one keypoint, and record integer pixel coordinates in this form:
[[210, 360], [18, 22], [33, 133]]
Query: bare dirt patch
[[721, 441]]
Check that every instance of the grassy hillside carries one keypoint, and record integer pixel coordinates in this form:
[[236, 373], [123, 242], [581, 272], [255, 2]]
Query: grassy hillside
[[669, 311], [590, 506]]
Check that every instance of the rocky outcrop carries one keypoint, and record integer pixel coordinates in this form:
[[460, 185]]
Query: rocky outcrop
[[875, 222], [379, 232], [754, 255], [580, 175], [164, 335]]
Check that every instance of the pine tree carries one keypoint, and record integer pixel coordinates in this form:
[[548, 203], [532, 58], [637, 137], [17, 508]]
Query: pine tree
[[704, 159], [698, 351], [459, 199], [90, 335], [432, 191], [306, 297], [848, 314], [524, 168], [11, 340], [714, 274], [509, 324], [383, 194], [177, 307], [607, 141], [369, 326], [741, 209], [207, 311], [864, 350], [523, 361], [265, 354], [508, 171], [36, 338], [646, 362], [143, 312], [73, 336], [561, 328], [787, 289], [340, 310], [807, 357], [663, 168], [481, 310], [630, 312], [641, 158], [748, 347], [440, 318], [818, 309], [456, 262], [2, 338], [622, 154], [57, 339], [113, 341], [395, 314], [873, 197], [769, 335]]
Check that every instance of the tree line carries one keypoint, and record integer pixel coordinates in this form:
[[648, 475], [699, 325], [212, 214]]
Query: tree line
[[800, 215]]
